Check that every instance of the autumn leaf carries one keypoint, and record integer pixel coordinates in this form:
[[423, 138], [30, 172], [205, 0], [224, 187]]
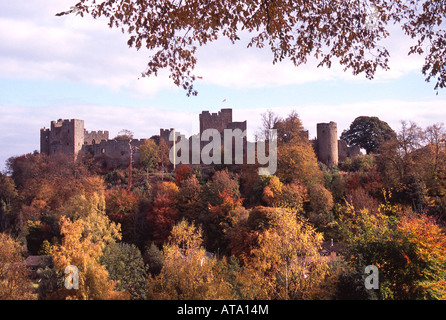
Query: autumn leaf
[[334, 31]]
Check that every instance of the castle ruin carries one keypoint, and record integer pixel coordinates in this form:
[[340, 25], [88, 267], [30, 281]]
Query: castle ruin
[[71, 138], [65, 136], [327, 143], [330, 151], [220, 121]]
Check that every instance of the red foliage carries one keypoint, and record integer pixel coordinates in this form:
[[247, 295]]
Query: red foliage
[[120, 204], [228, 203], [242, 243], [370, 180], [353, 181], [163, 213], [182, 173]]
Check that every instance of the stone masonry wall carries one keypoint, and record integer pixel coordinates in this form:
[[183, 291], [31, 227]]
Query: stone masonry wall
[[93, 137], [327, 143], [65, 136]]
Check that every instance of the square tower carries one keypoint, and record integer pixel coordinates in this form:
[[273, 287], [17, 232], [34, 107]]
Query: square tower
[[217, 121], [65, 136]]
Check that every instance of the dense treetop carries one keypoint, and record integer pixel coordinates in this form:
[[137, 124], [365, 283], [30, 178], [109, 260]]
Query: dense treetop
[[368, 133], [226, 232]]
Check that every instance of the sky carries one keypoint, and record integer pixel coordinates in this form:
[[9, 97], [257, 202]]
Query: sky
[[72, 67]]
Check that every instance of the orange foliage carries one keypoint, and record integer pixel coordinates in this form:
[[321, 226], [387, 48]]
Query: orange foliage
[[426, 256], [164, 212], [79, 249], [182, 173], [120, 203], [14, 281]]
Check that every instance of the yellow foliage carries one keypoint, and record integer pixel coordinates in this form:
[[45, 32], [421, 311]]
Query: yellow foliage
[[79, 249], [287, 264], [89, 205], [14, 281], [292, 195], [188, 271]]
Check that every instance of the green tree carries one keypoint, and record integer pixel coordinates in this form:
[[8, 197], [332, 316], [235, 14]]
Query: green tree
[[81, 248], [153, 257], [408, 250], [149, 154], [368, 133], [125, 265], [406, 155]]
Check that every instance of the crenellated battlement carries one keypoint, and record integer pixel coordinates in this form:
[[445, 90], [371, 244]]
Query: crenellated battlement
[[217, 120], [64, 136], [63, 122], [93, 137], [100, 132], [70, 137]]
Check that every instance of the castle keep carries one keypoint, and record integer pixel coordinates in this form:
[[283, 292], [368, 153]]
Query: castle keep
[[71, 138], [220, 121], [66, 136]]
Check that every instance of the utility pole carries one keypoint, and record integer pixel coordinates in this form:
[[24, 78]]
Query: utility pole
[[129, 187], [174, 149]]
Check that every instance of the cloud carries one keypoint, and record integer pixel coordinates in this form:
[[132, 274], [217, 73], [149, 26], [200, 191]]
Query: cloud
[[21, 125], [236, 66], [424, 113], [38, 45]]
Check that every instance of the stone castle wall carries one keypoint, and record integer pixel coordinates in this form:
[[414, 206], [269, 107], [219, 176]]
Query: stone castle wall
[[347, 152], [64, 136], [115, 153], [217, 121], [329, 149], [93, 137], [165, 135], [327, 143], [71, 138]]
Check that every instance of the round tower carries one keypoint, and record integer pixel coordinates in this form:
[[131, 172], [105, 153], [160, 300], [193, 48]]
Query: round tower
[[327, 142]]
